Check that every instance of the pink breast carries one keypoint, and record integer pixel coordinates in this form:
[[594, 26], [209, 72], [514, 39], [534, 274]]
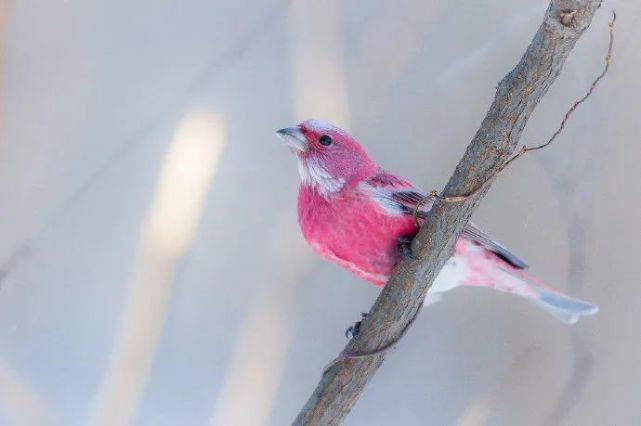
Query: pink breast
[[354, 231]]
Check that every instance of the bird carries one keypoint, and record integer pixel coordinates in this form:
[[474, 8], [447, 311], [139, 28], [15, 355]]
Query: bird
[[361, 217]]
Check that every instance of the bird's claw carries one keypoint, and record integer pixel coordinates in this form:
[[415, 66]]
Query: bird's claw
[[355, 329], [405, 247]]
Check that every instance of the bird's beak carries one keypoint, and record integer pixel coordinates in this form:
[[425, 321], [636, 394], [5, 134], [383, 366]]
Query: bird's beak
[[293, 138]]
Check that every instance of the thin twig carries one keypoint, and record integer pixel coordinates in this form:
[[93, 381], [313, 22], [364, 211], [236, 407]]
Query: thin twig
[[524, 149], [345, 355]]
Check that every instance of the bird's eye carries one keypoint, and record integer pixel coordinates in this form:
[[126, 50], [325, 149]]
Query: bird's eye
[[325, 140]]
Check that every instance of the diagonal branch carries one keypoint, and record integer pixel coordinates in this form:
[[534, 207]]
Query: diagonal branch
[[493, 145]]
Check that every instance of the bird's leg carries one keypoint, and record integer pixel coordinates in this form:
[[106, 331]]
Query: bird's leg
[[354, 329], [405, 247]]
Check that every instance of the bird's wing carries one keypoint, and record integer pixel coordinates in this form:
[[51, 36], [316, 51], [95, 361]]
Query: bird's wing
[[473, 233], [399, 196]]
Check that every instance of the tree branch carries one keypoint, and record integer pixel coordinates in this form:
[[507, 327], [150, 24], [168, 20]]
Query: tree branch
[[493, 145]]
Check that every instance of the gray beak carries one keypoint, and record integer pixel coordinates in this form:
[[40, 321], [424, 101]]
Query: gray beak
[[293, 137]]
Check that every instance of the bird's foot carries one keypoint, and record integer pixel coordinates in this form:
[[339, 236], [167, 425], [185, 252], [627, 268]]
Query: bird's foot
[[355, 329], [405, 247]]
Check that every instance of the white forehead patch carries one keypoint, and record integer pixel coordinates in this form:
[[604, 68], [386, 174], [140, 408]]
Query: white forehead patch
[[314, 175], [322, 126]]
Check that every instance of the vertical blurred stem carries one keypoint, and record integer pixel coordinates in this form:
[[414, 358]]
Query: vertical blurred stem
[[582, 361], [318, 71], [576, 196], [263, 339], [3, 12], [168, 230]]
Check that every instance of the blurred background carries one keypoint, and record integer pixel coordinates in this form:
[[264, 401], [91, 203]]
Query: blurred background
[[152, 270]]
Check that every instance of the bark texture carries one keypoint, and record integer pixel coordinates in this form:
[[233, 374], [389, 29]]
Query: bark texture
[[517, 95]]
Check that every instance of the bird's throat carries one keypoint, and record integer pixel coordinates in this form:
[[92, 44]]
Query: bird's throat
[[313, 174]]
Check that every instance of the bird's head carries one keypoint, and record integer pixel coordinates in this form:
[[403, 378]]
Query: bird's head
[[328, 158]]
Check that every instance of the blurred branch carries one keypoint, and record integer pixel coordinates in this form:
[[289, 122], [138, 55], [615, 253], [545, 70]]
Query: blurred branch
[[234, 52], [493, 145], [574, 186]]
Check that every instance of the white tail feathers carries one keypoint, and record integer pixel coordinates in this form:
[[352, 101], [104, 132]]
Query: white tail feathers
[[566, 308], [473, 268]]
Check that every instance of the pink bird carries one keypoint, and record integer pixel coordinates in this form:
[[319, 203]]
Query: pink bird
[[354, 213]]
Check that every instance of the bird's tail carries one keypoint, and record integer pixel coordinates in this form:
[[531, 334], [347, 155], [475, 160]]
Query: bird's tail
[[474, 266], [566, 308]]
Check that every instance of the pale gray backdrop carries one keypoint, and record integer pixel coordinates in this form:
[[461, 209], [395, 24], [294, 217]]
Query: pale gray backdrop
[[153, 269]]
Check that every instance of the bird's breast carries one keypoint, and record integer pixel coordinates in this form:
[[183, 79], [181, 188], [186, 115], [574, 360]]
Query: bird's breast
[[350, 228]]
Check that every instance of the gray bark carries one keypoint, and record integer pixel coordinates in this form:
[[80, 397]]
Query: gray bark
[[517, 95]]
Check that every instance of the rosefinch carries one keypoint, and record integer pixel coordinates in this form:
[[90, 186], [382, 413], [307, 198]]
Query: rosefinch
[[354, 213]]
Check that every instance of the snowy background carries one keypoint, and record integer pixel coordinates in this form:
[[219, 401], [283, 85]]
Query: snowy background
[[152, 268]]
